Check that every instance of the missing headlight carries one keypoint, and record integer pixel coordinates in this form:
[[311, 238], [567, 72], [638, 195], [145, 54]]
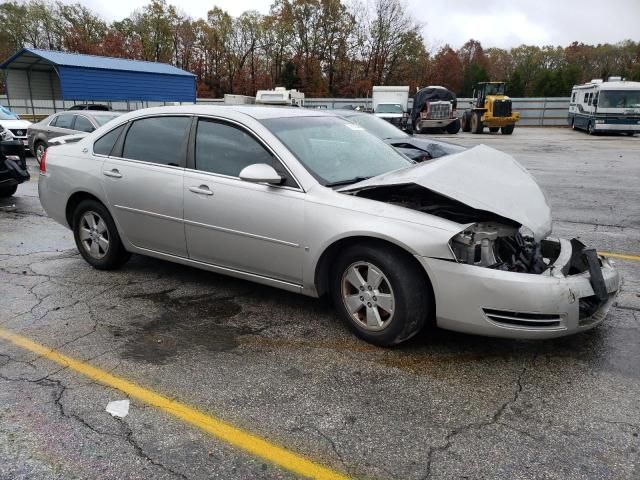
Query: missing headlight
[[497, 246]]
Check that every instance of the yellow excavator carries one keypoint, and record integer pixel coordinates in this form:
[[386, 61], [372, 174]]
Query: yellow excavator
[[490, 108]]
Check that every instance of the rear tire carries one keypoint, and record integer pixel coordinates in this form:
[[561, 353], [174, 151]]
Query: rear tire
[[97, 237], [466, 122], [453, 127], [380, 294], [8, 191], [476, 122], [494, 129], [508, 129]]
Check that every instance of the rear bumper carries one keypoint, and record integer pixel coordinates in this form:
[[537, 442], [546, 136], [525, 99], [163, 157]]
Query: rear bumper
[[500, 121], [496, 303]]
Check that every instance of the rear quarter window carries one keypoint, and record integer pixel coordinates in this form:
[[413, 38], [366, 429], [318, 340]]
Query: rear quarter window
[[104, 145]]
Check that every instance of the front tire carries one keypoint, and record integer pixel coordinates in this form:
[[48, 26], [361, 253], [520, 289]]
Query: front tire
[[494, 129], [8, 191], [476, 122], [590, 129], [466, 122], [96, 236], [508, 129], [453, 127], [380, 294]]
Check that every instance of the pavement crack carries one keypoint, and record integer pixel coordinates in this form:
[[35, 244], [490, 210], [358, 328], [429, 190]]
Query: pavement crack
[[142, 454], [495, 419]]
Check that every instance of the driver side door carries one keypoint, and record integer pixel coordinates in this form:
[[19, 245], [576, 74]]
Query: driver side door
[[255, 228]]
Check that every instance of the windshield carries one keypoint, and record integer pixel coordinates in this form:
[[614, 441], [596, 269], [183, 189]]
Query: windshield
[[102, 119], [334, 150], [389, 108], [494, 89], [376, 126], [619, 99], [6, 114]]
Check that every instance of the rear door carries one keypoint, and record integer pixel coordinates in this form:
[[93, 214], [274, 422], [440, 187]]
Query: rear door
[[143, 181], [61, 125], [255, 228]]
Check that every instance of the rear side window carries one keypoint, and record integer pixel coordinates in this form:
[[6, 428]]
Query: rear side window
[[65, 121], [104, 144], [225, 149], [83, 124], [157, 140]]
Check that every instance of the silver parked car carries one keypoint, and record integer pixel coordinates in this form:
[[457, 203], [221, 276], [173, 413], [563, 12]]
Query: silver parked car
[[64, 123], [306, 201]]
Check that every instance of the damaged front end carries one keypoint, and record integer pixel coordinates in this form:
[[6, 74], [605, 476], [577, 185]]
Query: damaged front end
[[512, 284]]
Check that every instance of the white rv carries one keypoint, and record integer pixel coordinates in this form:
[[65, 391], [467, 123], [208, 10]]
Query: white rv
[[280, 96], [391, 104], [611, 106]]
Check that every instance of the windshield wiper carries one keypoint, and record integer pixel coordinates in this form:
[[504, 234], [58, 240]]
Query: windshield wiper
[[346, 182]]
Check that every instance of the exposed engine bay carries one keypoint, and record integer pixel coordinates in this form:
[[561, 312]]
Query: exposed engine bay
[[491, 241]]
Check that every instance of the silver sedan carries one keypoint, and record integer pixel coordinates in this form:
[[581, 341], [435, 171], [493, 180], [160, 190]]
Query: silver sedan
[[309, 202]]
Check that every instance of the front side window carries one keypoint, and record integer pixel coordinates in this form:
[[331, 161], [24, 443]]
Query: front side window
[[83, 124], [65, 121], [159, 140], [104, 144], [225, 149], [335, 151]]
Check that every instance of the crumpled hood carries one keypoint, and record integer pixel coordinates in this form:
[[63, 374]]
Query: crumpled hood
[[482, 178]]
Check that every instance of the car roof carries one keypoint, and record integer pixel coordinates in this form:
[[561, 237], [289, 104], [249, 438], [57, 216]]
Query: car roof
[[255, 111]]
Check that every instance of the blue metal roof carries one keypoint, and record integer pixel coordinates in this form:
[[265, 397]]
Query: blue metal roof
[[90, 77], [94, 61]]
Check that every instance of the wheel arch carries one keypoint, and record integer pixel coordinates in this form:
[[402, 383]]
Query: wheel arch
[[74, 200], [330, 254]]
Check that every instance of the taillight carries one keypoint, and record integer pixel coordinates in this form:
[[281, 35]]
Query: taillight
[[43, 163]]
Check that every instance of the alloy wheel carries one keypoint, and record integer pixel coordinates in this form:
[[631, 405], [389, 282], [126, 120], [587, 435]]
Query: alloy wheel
[[94, 234], [368, 296]]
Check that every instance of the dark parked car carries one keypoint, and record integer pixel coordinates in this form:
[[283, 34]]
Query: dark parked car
[[91, 106], [416, 148], [64, 123]]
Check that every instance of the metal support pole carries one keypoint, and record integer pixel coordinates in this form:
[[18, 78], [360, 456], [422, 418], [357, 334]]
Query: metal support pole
[[33, 110]]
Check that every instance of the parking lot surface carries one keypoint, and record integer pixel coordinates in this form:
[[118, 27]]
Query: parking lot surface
[[282, 367]]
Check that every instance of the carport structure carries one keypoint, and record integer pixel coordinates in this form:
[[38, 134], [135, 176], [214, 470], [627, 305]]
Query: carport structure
[[36, 74]]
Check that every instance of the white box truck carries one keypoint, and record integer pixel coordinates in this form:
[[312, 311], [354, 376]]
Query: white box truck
[[231, 99], [391, 104]]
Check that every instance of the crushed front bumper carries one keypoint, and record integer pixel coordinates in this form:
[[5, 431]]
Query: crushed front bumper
[[496, 303]]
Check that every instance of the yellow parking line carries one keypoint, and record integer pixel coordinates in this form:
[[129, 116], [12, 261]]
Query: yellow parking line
[[220, 429], [623, 256]]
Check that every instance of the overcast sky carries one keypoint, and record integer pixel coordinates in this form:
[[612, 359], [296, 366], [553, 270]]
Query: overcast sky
[[496, 23]]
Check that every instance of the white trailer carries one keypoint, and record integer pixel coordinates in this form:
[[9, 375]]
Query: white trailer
[[280, 96], [611, 106], [231, 99], [391, 103]]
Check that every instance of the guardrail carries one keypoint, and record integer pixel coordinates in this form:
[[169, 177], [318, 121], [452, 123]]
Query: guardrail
[[533, 111]]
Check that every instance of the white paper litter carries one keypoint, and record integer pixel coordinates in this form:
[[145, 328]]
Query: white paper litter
[[118, 408]]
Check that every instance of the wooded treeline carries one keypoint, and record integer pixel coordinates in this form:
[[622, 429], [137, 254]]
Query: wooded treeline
[[322, 47]]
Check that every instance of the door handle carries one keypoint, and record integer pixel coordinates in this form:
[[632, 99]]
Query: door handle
[[202, 190], [114, 173]]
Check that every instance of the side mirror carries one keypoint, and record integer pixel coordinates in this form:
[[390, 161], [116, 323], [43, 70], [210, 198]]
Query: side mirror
[[260, 173], [595, 103]]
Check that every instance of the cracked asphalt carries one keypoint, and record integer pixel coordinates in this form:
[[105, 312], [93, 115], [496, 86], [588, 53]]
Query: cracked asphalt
[[283, 367]]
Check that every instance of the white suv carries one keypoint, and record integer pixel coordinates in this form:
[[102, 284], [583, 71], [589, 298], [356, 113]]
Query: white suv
[[17, 127]]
